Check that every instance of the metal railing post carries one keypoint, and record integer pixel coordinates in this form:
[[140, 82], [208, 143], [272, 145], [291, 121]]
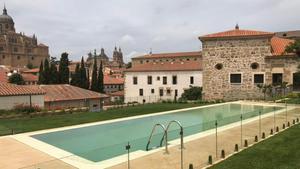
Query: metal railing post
[[259, 124], [286, 112], [241, 130], [274, 119], [216, 124], [128, 152]]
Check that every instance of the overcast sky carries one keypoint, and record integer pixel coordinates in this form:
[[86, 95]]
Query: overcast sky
[[79, 26]]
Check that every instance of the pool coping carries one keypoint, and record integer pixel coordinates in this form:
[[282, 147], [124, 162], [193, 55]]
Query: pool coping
[[80, 162]]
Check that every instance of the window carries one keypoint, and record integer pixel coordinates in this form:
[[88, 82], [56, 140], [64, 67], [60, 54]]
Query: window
[[18, 57], [277, 78], [141, 92], [176, 92], [1, 48], [192, 80], [152, 91], [32, 58], [15, 49], [165, 80], [135, 80], [149, 80], [158, 78], [168, 91], [174, 80], [258, 79], [161, 92], [187, 59], [236, 78], [3, 56], [141, 62]]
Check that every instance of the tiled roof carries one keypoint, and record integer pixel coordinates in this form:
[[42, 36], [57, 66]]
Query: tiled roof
[[118, 93], [236, 33], [67, 92], [169, 55], [29, 77], [279, 45], [167, 66], [111, 80], [35, 70], [7, 89]]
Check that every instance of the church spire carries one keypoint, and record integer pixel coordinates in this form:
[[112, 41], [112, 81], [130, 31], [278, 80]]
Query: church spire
[[4, 10]]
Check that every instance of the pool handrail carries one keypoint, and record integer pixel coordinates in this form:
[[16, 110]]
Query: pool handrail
[[152, 132], [166, 133]]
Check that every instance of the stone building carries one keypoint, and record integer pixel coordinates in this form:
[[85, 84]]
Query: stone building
[[163, 76], [235, 61], [116, 62], [17, 49]]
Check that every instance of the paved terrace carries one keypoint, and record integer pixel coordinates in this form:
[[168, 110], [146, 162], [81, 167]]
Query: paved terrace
[[15, 154]]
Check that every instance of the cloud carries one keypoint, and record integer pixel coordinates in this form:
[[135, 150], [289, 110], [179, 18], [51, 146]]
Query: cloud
[[78, 26]]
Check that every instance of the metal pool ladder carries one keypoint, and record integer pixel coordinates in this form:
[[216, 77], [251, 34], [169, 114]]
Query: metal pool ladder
[[165, 136]]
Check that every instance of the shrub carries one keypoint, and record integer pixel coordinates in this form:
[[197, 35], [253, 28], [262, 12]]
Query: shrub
[[24, 108], [193, 93]]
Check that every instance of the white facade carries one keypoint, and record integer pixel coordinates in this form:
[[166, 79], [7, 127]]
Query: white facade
[[9, 102], [157, 91]]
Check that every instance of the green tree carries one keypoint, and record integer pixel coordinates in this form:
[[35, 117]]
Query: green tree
[[293, 47], [29, 66], [75, 80], [64, 69], [83, 75], [46, 72], [41, 74], [53, 74], [16, 78], [100, 79], [193, 93], [265, 89], [94, 83]]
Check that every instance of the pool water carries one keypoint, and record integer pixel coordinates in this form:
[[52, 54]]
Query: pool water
[[100, 142]]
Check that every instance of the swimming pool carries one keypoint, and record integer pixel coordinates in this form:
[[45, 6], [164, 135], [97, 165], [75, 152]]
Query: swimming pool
[[101, 142]]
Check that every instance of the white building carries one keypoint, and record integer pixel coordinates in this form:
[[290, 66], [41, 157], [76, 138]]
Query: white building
[[12, 96], [165, 76]]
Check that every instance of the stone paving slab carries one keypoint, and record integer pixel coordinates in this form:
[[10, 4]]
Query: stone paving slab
[[196, 152], [14, 155]]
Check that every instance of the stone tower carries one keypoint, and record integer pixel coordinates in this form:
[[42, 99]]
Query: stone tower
[[118, 56]]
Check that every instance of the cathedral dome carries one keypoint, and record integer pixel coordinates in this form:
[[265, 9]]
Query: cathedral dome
[[5, 17]]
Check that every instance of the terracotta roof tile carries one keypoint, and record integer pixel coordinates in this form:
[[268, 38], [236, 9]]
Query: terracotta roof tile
[[112, 80], [35, 70], [167, 66], [169, 55], [67, 92], [118, 93], [236, 33], [29, 77], [7, 89], [279, 45]]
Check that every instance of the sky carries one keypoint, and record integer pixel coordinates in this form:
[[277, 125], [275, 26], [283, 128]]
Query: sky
[[80, 26]]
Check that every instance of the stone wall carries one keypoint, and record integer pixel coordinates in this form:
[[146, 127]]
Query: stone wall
[[236, 56]]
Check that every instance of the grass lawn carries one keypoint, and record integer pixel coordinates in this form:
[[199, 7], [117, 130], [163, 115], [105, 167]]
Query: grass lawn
[[278, 152], [27, 124]]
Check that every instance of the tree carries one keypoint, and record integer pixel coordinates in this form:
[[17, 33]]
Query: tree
[[16, 78], [46, 72], [29, 66], [128, 65], [265, 89], [193, 93], [293, 47], [64, 69], [100, 79], [94, 83], [83, 75], [75, 81], [53, 74], [41, 74]]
